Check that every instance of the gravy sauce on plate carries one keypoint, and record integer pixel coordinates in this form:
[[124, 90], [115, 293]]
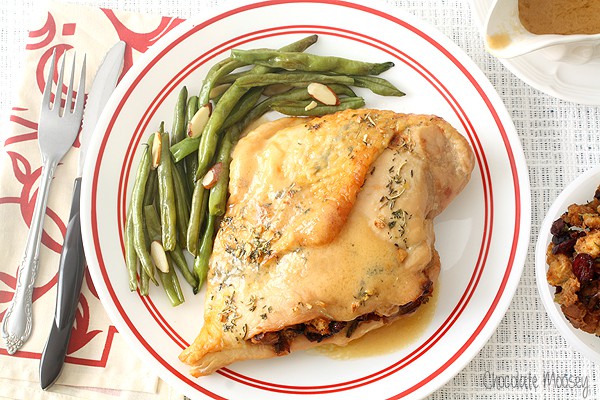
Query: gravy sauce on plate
[[387, 339]]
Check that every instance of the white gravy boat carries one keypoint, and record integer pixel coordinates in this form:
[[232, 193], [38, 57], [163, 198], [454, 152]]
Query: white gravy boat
[[505, 37]]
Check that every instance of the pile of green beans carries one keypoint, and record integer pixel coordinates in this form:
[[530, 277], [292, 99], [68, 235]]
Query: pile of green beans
[[171, 205]]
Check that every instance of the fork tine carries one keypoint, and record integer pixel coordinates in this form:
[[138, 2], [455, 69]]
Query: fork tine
[[80, 90], [49, 78], [59, 85], [69, 99]]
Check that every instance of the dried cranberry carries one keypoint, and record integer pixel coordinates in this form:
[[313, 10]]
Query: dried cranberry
[[559, 227], [566, 244], [560, 239], [583, 267], [565, 247]]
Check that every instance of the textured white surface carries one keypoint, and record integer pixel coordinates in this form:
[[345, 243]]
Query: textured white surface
[[560, 141]]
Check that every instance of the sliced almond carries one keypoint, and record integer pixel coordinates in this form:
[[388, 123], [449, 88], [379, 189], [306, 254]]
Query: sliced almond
[[212, 176], [323, 93], [199, 120], [156, 149], [276, 88], [219, 90], [310, 105], [159, 256]]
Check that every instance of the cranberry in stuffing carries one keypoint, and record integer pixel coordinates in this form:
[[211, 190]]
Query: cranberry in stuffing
[[583, 267], [566, 244], [565, 247], [559, 227]]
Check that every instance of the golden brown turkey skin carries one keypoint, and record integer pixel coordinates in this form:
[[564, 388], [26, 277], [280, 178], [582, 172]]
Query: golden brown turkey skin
[[328, 232]]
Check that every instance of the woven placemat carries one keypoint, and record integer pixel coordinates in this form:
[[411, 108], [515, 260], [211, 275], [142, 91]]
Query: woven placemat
[[525, 358]]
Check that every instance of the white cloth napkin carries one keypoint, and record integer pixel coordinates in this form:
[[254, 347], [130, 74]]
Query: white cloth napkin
[[99, 364]]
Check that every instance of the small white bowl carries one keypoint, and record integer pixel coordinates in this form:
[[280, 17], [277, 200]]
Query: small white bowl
[[506, 37], [581, 190]]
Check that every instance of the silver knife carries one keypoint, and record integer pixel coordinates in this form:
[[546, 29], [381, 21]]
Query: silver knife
[[72, 259]]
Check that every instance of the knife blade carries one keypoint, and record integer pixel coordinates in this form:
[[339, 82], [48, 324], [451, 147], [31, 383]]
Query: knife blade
[[72, 259]]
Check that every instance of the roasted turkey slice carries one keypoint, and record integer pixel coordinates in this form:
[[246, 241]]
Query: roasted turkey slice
[[328, 232]]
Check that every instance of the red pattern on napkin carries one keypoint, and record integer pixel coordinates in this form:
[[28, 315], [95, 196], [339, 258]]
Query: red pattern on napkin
[[22, 167]]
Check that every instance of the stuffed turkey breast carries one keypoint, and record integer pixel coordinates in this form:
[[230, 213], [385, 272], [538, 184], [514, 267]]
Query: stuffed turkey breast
[[328, 232]]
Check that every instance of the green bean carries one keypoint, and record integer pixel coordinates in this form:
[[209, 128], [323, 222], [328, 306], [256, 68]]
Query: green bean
[[301, 45], [217, 91], [191, 162], [182, 202], [298, 108], [144, 284], [264, 106], [209, 138], [178, 129], [184, 148], [309, 62], [167, 195], [170, 284], [291, 78], [152, 223], [131, 259], [217, 199], [210, 135], [297, 46], [189, 145], [151, 187], [230, 78], [213, 76], [144, 278], [191, 108], [137, 200], [179, 260], [296, 94], [206, 246], [168, 279], [342, 90], [377, 85], [197, 212], [220, 72], [175, 280], [191, 168], [246, 103]]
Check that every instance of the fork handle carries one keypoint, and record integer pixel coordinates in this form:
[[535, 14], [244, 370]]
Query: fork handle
[[17, 322]]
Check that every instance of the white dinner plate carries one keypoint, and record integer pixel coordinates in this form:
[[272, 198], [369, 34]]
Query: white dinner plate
[[579, 191], [482, 237], [539, 69]]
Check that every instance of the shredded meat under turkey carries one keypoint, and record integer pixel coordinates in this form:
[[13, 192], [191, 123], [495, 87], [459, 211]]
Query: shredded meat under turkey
[[318, 329]]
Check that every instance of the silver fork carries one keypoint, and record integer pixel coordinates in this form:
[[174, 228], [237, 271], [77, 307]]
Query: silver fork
[[56, 133]]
